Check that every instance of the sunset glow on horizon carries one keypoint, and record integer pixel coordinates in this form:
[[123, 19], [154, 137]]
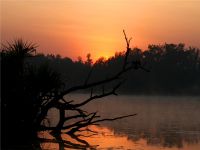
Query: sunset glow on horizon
[[74, 28]]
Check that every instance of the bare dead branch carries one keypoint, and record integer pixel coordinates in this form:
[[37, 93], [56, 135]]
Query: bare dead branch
[[104, 94], [127, 49], [112, 119], [85, 119]]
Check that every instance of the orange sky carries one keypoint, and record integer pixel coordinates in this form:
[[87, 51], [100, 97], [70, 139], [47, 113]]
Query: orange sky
[[76, 27]]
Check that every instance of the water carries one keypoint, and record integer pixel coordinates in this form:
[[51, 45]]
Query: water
[[162, 122]]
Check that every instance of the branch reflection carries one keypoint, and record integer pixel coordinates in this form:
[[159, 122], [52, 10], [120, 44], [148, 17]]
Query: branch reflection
[[98, 137]]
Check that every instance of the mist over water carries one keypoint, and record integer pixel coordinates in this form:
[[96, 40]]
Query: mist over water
[[168, 122]]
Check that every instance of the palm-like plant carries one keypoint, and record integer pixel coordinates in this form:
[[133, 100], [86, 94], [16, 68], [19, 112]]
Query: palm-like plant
[[13, 55], [21, 86], [19, 48]]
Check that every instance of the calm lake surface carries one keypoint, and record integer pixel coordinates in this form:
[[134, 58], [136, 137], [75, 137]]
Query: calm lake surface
[[162, 122]]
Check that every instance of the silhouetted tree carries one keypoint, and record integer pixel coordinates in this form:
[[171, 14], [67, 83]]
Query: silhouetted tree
[[30, 91], [89, 60]]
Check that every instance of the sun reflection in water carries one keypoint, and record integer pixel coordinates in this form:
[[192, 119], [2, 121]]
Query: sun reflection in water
[[103, 138]]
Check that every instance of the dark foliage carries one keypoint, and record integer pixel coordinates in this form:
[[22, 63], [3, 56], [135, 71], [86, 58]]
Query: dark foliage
[[175, 69]]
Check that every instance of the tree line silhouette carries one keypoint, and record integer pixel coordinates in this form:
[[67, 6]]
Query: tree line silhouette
[[175, 69]]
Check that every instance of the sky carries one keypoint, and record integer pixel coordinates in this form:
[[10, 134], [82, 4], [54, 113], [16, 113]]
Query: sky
[[75, 28]]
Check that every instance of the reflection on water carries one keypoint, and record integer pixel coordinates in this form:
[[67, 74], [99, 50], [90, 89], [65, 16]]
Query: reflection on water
[[162, 123], [104, 138]]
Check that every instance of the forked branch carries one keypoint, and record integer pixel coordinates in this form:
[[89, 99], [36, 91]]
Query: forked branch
[[85, 119]]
